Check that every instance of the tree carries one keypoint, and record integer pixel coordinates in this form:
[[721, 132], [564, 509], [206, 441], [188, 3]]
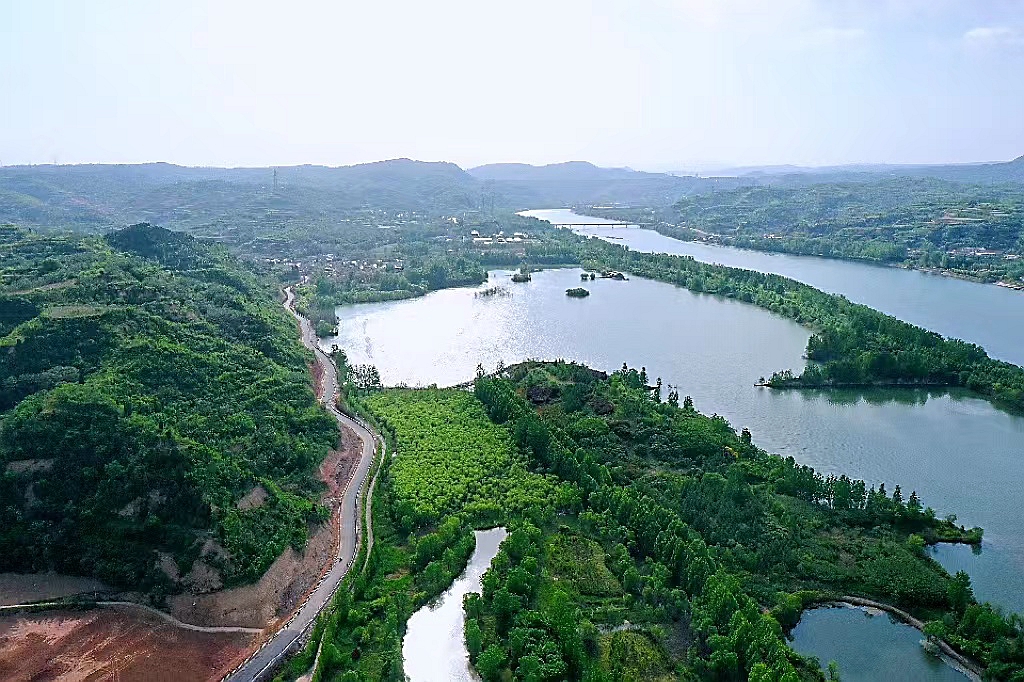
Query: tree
[[490, 662], [960, 591], [760, 672], [506, 605], [474, 639], [914, 506]]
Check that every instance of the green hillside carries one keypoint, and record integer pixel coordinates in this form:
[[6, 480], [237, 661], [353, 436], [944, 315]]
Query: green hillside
[[147, 383]]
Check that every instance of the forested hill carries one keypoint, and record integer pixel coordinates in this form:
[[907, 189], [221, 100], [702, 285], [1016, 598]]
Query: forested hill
[[883, 220], [148, 383], [96, 198]]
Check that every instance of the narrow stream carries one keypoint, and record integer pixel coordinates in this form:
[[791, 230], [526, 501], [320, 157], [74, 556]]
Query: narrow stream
[[434, 648]]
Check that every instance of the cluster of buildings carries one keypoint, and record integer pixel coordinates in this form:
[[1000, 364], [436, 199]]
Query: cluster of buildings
[[331, 266], [498, 237], [980, 252]]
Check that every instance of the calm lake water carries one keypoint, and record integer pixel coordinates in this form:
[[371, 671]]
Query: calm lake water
[[958, 452], [991, 316], [434, 648], [884, 650]]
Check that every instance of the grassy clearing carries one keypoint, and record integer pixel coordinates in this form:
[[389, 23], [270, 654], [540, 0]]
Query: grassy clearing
[[580, 562]]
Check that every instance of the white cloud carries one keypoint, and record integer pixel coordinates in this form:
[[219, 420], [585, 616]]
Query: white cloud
[[994, 36]]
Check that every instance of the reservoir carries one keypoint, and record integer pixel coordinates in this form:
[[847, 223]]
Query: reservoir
[[960, 454], [990, 316], [434, 648]]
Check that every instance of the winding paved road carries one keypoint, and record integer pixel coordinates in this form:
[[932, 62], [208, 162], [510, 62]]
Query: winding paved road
[[280, 643]]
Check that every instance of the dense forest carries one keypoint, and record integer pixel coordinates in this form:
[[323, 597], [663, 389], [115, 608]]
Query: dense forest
[[148, 382], [646, 540]]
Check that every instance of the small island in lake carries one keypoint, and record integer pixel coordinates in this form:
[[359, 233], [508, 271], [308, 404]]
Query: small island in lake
[[577, 292], [523, 275]]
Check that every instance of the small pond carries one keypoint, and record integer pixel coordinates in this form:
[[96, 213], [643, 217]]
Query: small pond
[[869, 646]]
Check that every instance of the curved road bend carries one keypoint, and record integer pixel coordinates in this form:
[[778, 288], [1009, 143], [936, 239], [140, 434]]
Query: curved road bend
[[274, 650]]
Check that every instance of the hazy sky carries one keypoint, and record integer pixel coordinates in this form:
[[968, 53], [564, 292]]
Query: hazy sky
[[653, 84]]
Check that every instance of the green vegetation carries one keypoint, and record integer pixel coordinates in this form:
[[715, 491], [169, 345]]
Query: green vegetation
[[580, 562], [452, 459], [453, 470], [149, 383], [647, 541], [577, 292], [974, 231], [717, 545]]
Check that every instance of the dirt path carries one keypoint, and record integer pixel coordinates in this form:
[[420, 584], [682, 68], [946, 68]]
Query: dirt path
[[110, 643], [21, 588], [130, 605]]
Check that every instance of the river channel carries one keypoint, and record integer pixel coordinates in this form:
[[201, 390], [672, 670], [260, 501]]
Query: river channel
[[434, 648]]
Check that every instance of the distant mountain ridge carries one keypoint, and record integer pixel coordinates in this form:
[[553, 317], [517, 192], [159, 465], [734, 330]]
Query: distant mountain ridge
[[979, 173], [581, 182], [97, 197], [100, 197]]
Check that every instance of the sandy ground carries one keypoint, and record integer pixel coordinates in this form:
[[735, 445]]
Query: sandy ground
[[20, 588], [110, 644]]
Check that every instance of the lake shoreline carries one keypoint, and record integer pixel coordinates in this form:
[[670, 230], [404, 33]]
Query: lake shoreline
[[971, 668], [887, 438], [900, 266]]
